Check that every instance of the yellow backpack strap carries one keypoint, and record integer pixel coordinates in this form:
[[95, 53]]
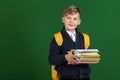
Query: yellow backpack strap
[[86, 40], [58, 38], [55, 75], [59, 41]]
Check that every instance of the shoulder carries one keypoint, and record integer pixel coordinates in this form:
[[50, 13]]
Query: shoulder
[[86, 40], [84, 34], [58, 38], [57, 33]]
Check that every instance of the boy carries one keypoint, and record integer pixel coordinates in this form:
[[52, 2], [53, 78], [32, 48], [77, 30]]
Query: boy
[[62, 56]]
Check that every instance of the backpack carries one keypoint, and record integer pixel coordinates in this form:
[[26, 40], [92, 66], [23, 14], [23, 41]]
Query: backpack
[[59, 41]]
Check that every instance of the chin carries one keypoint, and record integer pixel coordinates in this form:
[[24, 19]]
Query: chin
[[72, 28]]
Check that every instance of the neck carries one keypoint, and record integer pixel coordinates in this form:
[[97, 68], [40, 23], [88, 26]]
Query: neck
[[70, 30]]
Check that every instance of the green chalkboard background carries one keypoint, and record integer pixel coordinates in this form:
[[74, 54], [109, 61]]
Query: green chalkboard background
[[27, 26]]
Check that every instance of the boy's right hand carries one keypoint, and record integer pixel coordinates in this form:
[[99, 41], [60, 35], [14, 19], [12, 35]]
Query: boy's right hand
[[71, 58]]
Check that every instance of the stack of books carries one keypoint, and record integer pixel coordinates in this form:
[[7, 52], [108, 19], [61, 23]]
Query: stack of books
[[87, 56]]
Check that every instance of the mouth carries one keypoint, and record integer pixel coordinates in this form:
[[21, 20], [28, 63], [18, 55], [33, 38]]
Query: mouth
[[71, 25]]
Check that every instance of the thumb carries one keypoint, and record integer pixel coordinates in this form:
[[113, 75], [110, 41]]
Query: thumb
[[72, 50]]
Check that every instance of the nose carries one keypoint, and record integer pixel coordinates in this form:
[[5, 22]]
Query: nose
[[71, 20]]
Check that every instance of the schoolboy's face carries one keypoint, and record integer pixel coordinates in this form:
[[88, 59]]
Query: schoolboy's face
[[71, 21]]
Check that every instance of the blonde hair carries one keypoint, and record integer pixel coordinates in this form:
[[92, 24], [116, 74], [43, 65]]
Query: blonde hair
[[71, 10]]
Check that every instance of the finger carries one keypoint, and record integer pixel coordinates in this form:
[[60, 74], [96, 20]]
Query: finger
[[75, 57], [72, 50], [69, 52], [74, 61]]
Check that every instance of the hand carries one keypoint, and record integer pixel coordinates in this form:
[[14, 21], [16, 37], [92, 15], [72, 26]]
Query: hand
[[71, 58]]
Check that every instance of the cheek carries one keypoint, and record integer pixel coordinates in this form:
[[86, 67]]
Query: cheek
[[78, 22], [66, 21]]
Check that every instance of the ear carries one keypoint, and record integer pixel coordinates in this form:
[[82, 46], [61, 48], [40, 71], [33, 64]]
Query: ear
[[63, 19], [79, 22]]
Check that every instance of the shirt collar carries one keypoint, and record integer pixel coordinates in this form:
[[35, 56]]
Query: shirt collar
[[71, 32]]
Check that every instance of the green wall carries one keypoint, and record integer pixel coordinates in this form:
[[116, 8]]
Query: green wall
[[27, 26]]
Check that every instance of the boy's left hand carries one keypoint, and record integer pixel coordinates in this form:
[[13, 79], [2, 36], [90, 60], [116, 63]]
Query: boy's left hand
[[71, 58]]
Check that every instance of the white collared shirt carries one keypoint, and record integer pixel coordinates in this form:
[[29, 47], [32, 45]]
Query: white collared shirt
[[72, 35]]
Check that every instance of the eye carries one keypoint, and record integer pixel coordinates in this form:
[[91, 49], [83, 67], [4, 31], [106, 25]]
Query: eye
[[75, 19], [68, 17]]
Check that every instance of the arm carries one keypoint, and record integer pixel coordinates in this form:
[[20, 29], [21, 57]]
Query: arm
[[55, 58]]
